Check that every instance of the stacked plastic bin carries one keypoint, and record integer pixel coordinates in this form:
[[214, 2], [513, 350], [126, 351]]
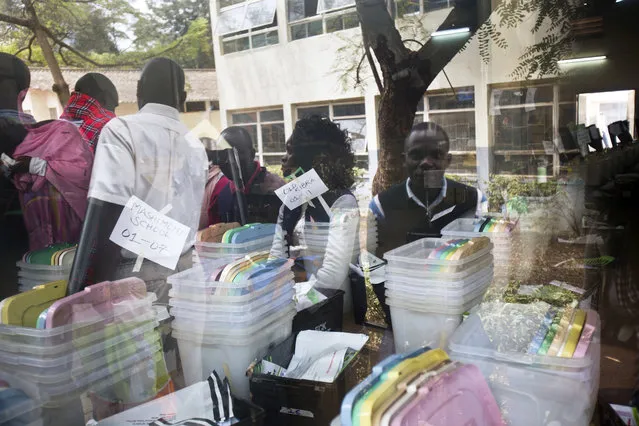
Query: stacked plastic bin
[[531, 389], [224, 326], [54, 366], [315, 237], [204, 251], [502, 243], [427, 297]]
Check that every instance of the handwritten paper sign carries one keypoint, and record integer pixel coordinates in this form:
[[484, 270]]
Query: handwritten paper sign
[[146, 232], [301, 190]]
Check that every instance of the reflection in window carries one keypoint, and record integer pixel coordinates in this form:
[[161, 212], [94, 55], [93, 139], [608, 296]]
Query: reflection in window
[[309, 18], [248, 25], [413, 7], [455, 113], [522, 120], [266, 128], [350, 117]]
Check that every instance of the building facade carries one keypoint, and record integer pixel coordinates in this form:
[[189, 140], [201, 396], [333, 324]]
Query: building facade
[[279, 60]]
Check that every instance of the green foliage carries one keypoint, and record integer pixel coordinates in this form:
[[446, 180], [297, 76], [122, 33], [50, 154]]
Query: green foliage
[[114, 33], [275, 169], [509, 190], [553, 17]]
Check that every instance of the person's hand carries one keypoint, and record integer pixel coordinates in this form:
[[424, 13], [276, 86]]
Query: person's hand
[[21, 166]]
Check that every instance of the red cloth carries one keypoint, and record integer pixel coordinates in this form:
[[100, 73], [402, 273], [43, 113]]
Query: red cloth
[[93, 116]]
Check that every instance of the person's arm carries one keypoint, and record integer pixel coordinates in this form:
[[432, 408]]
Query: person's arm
[[341, 238], [95, 251], [278, 248]]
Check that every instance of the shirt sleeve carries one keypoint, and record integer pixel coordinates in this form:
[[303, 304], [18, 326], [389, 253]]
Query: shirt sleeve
[[38, 166], [113, 176], [481, 201], [375, 206]]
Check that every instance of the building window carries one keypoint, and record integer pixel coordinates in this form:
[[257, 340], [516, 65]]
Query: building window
[[266, 128], [455, 113], [414, 7], [522, 120], [309, 18], [247, 25], [195, 106], [351, 117], [215, 106], [53, 113]]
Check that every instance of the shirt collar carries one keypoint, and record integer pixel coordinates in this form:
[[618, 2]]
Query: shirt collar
[[258, 170], [432, 205], [163, 110]]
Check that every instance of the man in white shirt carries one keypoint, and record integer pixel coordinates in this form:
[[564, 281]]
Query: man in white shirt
[[149, 155]]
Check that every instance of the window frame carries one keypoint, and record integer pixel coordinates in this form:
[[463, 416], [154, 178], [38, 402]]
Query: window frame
[[337, 119], [426, 112], [422, 8], [260, 142], [536, 153], [321, 16], [248, 32]]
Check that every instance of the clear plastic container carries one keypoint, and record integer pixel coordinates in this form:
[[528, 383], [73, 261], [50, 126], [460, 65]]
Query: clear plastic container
[[232, 353], [223, 325], [44, 269], [443, 278], [533, 389], [436, 307], [472, 340], [28, 408], [191, 311], [200, 276], [464, 228], [203, 294], [414, 256], [413, 330], [54, 341], [47, 276], [219, 250], [439, 292], [65, 361]]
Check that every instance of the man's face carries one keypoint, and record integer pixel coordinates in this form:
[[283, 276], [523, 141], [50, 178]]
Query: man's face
[[288, 160], [246, 158], [426, 159]]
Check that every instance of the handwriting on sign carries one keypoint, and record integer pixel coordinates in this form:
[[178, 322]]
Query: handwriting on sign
[[301, 190], [146, 232]]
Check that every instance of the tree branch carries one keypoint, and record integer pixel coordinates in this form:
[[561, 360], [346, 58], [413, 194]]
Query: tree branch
[[357, 70], [30, 47], [84, 57], [27, 47], [27, 23], [62, 56], [371, 63]]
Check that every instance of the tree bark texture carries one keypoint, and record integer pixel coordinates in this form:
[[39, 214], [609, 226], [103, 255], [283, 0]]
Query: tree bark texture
[[406, 75]]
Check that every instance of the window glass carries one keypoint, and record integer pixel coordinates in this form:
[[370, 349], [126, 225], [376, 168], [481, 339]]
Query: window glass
[[460, 127], [326, 5], [227, 3], [356, 128], [300, 9], [273, 137], [462, 98], [522, 129], [308, 111], [195, 106], [261, 12], [232, 19], [273, 115], [245, 117], [407, 7], [348, 110], [430, 5]]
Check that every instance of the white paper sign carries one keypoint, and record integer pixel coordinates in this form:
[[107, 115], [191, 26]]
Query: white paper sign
[[146, 232], [301, 190], [549, 147], [583, 139]]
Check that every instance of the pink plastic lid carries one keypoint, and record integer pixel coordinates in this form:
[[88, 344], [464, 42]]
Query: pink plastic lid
[[460, 397], [95, 301], [586, 335]]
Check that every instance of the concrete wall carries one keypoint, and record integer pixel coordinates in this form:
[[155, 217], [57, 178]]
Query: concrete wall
[[38, 102]]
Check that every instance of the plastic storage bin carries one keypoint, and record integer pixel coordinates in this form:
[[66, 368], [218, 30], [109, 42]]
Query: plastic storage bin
[[220, 250], [532, 389], [414, 257], [204, 349], [293, 402], [414, 329]]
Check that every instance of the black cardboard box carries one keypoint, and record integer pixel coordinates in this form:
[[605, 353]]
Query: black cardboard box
[[324, 316]]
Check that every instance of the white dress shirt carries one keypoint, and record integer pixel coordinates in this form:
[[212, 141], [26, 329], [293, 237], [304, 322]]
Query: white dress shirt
[[151, 155]]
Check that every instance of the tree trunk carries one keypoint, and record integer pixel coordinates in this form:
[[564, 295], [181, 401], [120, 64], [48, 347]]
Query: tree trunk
[[407, 74], [60, 86], [397, 109]]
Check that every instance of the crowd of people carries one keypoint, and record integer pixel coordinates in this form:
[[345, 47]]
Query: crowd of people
[[72, 177]]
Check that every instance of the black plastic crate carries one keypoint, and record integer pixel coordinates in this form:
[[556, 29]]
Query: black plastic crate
[[248, 413], [324, 316], [293, 402]]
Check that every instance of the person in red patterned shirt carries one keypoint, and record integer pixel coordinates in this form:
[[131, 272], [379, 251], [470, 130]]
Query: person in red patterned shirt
[[92, 106]]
